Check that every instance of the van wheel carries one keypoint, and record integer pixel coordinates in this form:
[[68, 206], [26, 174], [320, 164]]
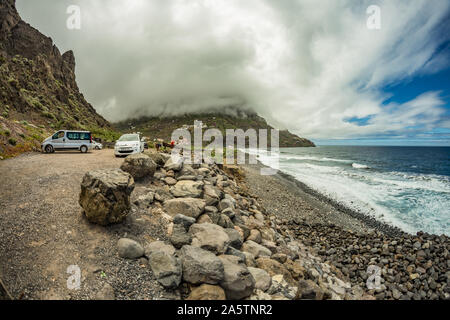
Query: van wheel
[[49, 149], [83, 149]]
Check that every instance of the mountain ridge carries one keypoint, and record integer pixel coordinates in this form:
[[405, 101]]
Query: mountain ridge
[[162, 126]]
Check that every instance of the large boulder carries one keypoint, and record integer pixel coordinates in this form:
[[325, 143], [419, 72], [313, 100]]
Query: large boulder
[[187, 189], [129, 249], [210, 237], [139, 166], [105, 195], [189, 207], [200, 266], [238, 282], [256, 249], [166, 268], [262, 278], [207, 292]]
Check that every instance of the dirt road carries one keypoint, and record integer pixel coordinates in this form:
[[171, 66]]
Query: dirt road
[[43, 232]]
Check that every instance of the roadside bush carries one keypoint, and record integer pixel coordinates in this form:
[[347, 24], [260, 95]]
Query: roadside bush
[[12, 141]]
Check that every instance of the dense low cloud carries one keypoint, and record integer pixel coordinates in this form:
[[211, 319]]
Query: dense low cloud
[[307, 65]]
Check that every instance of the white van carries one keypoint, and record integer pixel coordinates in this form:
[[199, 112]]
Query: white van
[[129, 144], [68, 140]]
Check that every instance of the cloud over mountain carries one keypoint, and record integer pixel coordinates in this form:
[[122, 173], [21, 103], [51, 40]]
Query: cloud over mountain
[[307, 66]]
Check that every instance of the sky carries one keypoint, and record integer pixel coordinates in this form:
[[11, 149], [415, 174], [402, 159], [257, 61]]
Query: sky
[[313, 67]]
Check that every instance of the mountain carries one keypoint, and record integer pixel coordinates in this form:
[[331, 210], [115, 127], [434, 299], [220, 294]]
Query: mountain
[[39, 93], [231, 118]]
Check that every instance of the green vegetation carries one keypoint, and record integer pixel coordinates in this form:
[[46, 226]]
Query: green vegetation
[[48, 115], [12, 141]]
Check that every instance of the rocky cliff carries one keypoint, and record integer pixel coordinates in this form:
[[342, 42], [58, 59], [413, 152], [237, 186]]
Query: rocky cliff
[[39, 93]]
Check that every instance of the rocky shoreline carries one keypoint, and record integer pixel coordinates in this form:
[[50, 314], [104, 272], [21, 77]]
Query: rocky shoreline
[[233, 234], [412, 266]]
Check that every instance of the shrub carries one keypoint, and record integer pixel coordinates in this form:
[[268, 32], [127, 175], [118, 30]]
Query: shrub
[[12, 141], [48, 115], [5, 114]]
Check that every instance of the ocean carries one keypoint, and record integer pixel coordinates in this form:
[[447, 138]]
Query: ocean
[[408, 187]]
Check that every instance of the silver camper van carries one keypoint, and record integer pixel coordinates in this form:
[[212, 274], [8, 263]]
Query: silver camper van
[[68, 140]]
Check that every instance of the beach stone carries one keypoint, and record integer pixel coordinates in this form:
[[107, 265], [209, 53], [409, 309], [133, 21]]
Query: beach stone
[[256, 249], [212, 195], [235, 252], [139, 166], [189, 207], [263, 280], [200, 266], [166, 268], [185, 221], [180, 236], [207, 292], [238, 282], [225, 204], [170, 181], [105, 196], [255, 236], [129, 249], [280, 257], [204, 218], [250, 260], [236, 238], [187, 189], [158, 246], [209, 237]]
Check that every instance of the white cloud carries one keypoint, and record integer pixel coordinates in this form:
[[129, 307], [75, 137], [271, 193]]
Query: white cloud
[[305, 65]]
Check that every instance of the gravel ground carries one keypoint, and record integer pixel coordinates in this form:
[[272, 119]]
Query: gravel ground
[[43, 231]]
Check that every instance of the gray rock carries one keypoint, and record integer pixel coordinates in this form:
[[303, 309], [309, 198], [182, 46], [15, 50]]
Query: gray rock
[[255, 236], [238, 282], [139, 166], [170, 181], [105, 196], [129, 249], [201, 266], [229, 213], [166, 268], [235, 252], [236, 239], [158, 246], [145, 200], [256, 249], [175, 166], [189, 207], [308, 290], [263, 280], [209, 237], [180, 236], [157, 157], [212, 195], [187, 189], [226, 203], [184, 220]]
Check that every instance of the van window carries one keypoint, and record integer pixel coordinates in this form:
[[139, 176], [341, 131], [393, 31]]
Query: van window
[[78, 136], [58, 135]]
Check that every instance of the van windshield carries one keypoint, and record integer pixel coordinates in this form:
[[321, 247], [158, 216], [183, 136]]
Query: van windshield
[[129, 137]]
